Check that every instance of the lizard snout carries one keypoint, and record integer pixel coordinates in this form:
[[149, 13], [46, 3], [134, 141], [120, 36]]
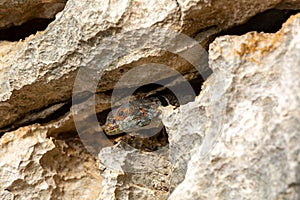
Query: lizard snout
[[111, 129]]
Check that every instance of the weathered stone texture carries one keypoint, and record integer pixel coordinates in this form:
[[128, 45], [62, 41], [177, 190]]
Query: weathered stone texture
[[257, 154], [289, 4], [130, 173], [42, 65], [238, 140], [33, 166]]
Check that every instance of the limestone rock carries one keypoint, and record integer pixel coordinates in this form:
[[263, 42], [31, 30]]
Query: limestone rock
[[256, 155], [132, 174], [238, 139], [39, 71], [33, 166]]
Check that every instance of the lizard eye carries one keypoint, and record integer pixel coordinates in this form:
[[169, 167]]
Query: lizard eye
[[122, 114]]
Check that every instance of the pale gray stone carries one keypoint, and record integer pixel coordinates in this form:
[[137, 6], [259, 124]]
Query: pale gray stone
[[257, 154], [129, 173]]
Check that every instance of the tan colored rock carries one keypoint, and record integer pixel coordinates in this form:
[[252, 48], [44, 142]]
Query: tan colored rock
[[256, 155], [34, 166], [39, 71], [219, 14], [289, 4], [16, 12]]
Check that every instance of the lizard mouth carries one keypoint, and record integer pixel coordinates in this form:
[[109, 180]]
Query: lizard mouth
[[111, 129]]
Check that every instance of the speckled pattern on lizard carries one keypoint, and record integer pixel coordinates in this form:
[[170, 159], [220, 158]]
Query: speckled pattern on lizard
[[139, 114]]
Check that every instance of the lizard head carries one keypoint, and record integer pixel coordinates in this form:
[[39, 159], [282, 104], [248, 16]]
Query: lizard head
[[115, 120], [131, 117]]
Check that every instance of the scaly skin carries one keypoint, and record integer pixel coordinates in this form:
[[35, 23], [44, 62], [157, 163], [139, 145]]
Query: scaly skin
[[137, 115]]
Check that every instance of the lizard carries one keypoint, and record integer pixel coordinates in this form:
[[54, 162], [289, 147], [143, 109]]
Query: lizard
[[140, 114], [141, 118]]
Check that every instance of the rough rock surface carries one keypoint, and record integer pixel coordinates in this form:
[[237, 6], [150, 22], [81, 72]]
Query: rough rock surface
[[256, 155], [131, 174], [39, 71], [16, 12], [252, 96], [33, 166], [289, 4]]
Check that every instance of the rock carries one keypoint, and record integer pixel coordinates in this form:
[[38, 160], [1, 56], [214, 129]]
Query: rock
[[289, 4], [238, 139], [39, 71], [33, 166], [186, 133], [256, 155], [16, 12], [132, 174]]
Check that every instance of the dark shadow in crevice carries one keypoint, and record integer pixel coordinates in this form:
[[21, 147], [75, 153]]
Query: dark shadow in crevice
[[42, 120], [269, 21], [17, 33]]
